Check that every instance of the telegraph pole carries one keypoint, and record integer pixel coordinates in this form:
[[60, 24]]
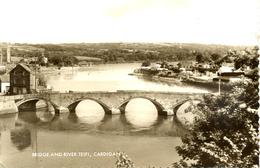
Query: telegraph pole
[[1, 56], [219, 86], [35, 74]]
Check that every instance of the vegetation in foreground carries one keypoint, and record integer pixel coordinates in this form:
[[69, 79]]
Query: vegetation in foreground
[[225, 133], [122, 160]]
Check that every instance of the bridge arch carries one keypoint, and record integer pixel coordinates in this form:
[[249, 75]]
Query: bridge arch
[[72, 105], [158, 106], [179, 104], [30, 104]]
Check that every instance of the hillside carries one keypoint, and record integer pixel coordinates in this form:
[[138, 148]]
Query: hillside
[[111, 52]]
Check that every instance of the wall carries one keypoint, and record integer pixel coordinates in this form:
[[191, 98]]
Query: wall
[[7, 104]]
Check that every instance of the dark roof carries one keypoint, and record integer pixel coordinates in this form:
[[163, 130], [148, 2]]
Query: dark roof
[[25, 67]]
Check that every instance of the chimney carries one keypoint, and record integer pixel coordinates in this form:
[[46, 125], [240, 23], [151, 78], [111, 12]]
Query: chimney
[[1, 61], [8, 55]]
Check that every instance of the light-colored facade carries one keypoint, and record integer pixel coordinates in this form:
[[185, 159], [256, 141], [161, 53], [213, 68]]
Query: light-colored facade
[[187, 64], [5, 83]]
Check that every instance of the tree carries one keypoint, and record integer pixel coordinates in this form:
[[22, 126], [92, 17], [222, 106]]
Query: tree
[[199, 57], [215, 57], [164, 64], [21, 138], [146, 64], [248, 58], [225, 134], [42, 80], [41, 60], [226, 130], [122, 160]]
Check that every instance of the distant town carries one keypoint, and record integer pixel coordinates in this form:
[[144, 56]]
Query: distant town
[[22, 65]]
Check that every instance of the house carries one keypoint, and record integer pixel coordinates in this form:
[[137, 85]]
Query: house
[[87, 61], [187, 64], [229, 71], [228, 74], [22, 80], [204, 65], [5, 83]]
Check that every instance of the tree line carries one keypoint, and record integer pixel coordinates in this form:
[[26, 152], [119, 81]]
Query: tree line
[[64, 54]]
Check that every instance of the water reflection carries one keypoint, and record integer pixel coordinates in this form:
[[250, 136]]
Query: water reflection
[[34, 132], [40, 116], [45, 116], [21, 138], [7, 121], [89, 112], [132, 123], [141, 114], [141, 118]]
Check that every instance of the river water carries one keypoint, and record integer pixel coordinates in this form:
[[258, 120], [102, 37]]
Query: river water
[[81, 139]]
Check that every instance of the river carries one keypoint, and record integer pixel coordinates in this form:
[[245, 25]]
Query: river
[[81, 139]]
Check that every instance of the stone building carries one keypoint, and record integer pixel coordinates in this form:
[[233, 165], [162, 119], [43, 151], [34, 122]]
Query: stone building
[[22, 80]]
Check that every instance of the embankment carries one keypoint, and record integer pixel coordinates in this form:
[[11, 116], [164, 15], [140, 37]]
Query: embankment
[[7, 104]]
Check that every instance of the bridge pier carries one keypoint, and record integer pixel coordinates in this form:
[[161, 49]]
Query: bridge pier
[[122, 108], [49, 106], [72, 107], [167, 112], [115, 111], [175, 109], [61, 110]]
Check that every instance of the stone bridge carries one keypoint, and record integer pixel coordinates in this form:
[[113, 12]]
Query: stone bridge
[[166, 103]]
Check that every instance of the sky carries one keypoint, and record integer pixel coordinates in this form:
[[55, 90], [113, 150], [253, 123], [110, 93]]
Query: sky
[[232, 22]]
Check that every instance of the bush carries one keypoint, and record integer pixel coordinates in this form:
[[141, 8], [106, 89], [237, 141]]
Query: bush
[[226, 131], [122, 160]]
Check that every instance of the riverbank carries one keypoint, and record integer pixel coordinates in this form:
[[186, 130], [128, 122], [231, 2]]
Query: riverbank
[[198, 81], [56, 70], [222, 85]]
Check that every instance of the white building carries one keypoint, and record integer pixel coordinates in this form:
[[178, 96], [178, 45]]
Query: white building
[[5, 83]]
